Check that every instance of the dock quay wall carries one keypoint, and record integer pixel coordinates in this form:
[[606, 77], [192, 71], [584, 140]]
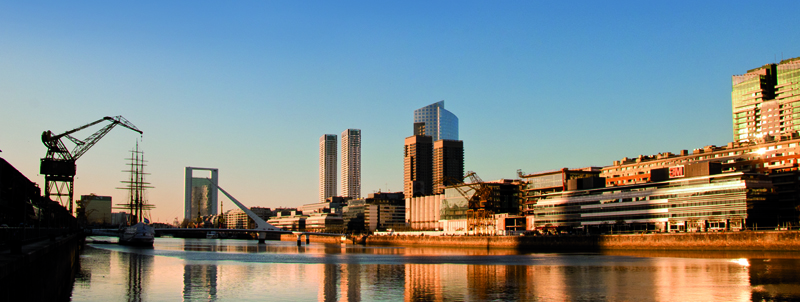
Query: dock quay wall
[[41, 271], [315, 238], [714, 241]]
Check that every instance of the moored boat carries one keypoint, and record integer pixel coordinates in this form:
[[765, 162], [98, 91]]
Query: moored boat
[[140, 234]]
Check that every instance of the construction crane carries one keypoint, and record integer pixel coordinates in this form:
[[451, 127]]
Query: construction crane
[[58, 166]]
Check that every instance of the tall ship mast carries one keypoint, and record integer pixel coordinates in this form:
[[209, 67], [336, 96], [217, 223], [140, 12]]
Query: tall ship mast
[[136, 185]]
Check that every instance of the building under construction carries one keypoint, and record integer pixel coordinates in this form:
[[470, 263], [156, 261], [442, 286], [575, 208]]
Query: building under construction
[[471, 207]]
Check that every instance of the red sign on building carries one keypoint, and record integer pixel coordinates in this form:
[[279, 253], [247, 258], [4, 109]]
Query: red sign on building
[[676, 171]]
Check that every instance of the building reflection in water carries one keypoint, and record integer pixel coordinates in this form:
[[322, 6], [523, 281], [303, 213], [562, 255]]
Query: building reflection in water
[[774, 279], [334, 273], [330, 282], [654, 279], [340, 282], [199, 282], [138, 268]]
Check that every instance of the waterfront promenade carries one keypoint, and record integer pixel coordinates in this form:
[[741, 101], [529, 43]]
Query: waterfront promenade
[[710, 241]]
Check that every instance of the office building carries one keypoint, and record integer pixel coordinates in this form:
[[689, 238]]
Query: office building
[[700, 201], [418, 166], [327, 166], [351, 163], [766, 101], [292, 222], [325, 222], [448, 164], [433, 157], [200, 199], [434, 121], [238, 219], [379, 211]]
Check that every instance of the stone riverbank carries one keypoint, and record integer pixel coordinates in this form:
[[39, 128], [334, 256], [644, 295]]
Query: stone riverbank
[[714, 241]]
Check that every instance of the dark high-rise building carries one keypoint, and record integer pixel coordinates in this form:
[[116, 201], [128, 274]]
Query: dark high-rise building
[[418, 166], [327, 166], [448, 164], [766, 102]]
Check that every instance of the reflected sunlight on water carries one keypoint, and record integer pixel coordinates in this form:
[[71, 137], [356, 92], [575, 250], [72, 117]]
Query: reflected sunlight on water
[[237, 270]]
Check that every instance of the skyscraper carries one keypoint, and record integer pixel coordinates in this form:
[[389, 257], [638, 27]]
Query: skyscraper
[[418, 166], [351, 163], [448, 164], [434, 121], [765, 101], [433, 157], [327, 166]]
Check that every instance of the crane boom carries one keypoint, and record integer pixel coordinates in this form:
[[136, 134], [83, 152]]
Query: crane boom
[[58, 165]]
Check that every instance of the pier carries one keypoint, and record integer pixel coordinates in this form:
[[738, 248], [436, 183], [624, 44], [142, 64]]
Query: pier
[[40, 270]]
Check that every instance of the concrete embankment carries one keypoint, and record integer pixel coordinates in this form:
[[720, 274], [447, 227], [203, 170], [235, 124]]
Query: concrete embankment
[[40, 271], [316, 238], [721, 241]]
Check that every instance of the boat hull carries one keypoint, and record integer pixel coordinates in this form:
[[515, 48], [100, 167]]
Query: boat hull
[[139, 234]]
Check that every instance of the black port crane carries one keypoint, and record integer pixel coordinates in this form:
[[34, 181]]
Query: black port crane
[[58, 166]]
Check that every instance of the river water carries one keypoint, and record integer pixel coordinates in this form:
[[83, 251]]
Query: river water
[[241, 270]]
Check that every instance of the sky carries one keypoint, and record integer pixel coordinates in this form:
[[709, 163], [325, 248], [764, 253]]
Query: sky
[[249, 87]]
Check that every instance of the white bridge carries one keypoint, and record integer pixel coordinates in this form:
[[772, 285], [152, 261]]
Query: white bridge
[[262, 227]]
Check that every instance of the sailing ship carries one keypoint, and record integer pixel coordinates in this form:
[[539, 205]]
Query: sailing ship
[[138, 230]]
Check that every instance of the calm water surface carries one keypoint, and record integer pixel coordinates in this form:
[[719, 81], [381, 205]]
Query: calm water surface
[[240, 270]]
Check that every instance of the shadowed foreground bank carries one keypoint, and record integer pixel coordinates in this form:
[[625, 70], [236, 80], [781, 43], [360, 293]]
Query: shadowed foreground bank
[[41, 270]]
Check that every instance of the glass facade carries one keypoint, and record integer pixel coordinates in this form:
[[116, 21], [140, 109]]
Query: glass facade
[[723, 201], [787, 92], [748, 93], [434, 121], [545, 181], [766, 101], [454, 205], [202, 200]]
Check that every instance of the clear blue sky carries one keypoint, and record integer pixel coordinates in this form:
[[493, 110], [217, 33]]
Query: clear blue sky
[[249, 86]]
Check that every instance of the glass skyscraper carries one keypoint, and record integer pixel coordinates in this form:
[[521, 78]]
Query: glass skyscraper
[[766, 101], [434, 121], [433, 156]]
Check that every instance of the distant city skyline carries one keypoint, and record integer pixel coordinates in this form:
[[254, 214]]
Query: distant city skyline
[[245, 87]]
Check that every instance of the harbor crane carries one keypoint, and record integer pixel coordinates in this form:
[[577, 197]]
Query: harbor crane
[[58, 166]]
